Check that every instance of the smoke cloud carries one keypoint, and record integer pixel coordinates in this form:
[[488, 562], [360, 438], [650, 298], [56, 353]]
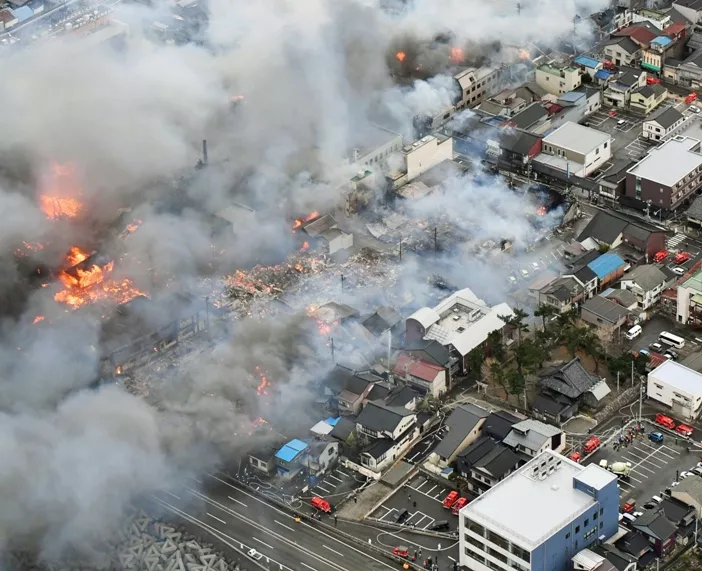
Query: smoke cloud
[[126, 126]]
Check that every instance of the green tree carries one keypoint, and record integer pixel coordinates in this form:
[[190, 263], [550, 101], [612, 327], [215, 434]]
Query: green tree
[[475, 360], [544, 311], [494, 346], [530, 356], [516, 383], [494, 374], [516, 321]]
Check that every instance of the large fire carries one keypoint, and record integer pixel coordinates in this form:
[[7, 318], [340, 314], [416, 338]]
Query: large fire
[[58, 196], [541, 211], [300, 221], [262, 388], [323, 327], [400, 56], [456, 55], [82, 286], [524, 54]]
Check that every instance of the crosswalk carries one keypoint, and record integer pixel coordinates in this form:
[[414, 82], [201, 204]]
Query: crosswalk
[[675, 241]]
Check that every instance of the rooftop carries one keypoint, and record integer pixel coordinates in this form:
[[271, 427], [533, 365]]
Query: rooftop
[[666, 118], [678, 376], [694, 282], [379, 417], [662, 41], [524, 494], [406, 364], [695, 210], [669, 163], [606, 264], [460, 423], [609, 311], [291, 450], [578, 138], [531, 434], [647, 277], [587, 62]]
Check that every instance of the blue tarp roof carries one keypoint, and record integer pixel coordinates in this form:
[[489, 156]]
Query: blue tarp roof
[[662, 41], [23, 13], [602, 74], [586, 61], [332, 421], [571, 96], [606, 264], [290, 450]]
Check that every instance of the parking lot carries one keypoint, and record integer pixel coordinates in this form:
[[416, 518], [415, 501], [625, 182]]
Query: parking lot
[[637, 148], [654, 465], [622, 135], [428, 496], [336, 484]]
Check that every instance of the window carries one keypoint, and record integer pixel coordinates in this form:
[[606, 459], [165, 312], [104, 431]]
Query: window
[[577, 529], [594, 516], [568, 535], [475, 527], [587, 522], [597, 151]]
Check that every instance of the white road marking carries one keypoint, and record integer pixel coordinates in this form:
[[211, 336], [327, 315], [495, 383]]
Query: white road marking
[[215, 517], [451, 558], [323, 488], [421, 485], [198, 481], [335, 478], [282, 524], [305, 564], [425, 494], [333, 550], [262, 542], [237, 501], [171, 494], [388, 513], [420, 520], [435, 486], [636, 479], [622, 482]]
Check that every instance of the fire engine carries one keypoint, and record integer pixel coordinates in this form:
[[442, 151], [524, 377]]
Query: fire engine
[[591, 445]]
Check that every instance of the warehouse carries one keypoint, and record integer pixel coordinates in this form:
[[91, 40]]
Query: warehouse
[[677, 387]]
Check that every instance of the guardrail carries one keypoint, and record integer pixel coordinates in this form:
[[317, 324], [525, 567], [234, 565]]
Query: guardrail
[[399, 527]]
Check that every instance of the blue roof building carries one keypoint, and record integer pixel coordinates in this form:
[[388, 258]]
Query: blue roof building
[[661, 41], [587, 62], [606, 265], [23, 13], [603, 74], [289, 459]]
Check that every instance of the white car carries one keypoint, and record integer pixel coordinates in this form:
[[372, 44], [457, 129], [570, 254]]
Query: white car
[[524, 273], [678, 271], [685, 474], [674, 484], [535, 265]]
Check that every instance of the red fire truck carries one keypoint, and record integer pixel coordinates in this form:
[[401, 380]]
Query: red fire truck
[[665, 421], [591, 445]]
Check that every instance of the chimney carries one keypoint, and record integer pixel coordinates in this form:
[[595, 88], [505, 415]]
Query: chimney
[[204, 151]]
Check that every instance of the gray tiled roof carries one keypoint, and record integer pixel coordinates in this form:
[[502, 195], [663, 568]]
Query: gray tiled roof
[[530, 433], [460, 423], [571, 380]]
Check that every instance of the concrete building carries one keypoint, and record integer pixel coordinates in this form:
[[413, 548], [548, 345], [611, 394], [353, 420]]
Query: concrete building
[[539, 517], [462, 322], [668, 175], [376, 144], [419, 157], [659, 125], [506, 103], [689, 310], [619, 90], [646, 282], [678, 388], [556, 79], [687, 72], [576, 149], [533, 437], [691, 9], [476, 84], [646, 99], [622, 51]]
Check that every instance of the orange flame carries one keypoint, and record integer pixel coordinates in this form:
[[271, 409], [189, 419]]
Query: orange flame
[[300, 221], [541, 211], [262, 389], [400, 56], [456, 55], [57, 199], [524, 54], [305, 247], [38, 318], [36, 246], [82, 286], [133, 226]]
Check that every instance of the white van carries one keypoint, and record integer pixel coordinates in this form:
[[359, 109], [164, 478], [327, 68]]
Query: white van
[[657, 499], [634, 332]]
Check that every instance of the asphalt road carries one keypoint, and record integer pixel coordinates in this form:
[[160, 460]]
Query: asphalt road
[[227, 512]]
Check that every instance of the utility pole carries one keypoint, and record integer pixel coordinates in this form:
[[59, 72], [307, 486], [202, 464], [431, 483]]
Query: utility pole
[[332, 348], [519, 8], [436, 243], [342, 282], [389, 346], [617, 381], [640, 400], [400, 249], [632, 372]]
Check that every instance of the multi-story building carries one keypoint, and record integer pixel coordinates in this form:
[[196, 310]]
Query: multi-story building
[[622, 51], [419, 157], [508, 527], [668, 175], [476, 84], [576, 149], [645, 99], [646, 283], [666, 46], [689, 300], [558, 80], [678, 388], [618, 92], [657, 127]]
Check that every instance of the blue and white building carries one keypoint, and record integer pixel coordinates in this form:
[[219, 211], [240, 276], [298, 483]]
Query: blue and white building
[[539, 517]]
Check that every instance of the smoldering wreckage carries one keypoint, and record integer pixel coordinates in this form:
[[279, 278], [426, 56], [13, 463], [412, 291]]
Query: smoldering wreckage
[[142, 343]]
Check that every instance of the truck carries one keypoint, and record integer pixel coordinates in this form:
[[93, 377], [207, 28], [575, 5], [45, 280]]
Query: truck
[[450, 499], [665, 421], [591, 445], [621, 469]]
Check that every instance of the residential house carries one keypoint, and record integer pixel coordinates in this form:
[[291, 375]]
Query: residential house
[[658, 530], [646, 282], [689, 492], [575, 149], [636, 544], [385, 320], [609, 268], [518, 148], [623, 297], [586, 277], [622, 51], [610, 230], [689, 301], [563, 293], [619, 90], [324, 427], [694, 214], [593, 98], [662, 48], [499, 424], [506, 103], [401, 395], [687, 72], [557, 79], [342, 432], [553, 407], [588, 65], [691, 9], [644, 100], [532, 437], [290, 459], [345, 390], [476, 84], [612, 183], [322, 456], [587, 560], [326, 231], [7, 19], [485, 463], [682, 515], [532, 118], [431, 351], [427, 377], [641, 33], [668, 176], [657, 127], [262, 458], [387, 431], [605, 314], [462, 427], [462, 322], [618, 559]]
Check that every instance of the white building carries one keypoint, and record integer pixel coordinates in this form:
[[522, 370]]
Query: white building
[[420, 156], [558, 80], [476, 84], [539, 517], [388, 430], [677, 387], [575, 149], [646, 283], [377, 145], [657, 127], [534, 437], [461, 322], [690, 300]]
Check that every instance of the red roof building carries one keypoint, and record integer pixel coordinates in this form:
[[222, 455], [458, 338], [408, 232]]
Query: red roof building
[[675, 30], [428, 377], [641, 35]]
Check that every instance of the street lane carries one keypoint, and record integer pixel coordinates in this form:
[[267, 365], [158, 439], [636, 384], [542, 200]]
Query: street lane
[[272, 532]]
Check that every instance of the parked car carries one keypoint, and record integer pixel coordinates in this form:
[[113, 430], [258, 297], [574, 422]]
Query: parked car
[[439, 525], [655, 437], [459, 505], [660, 256], [450, 499], [401, 516], [684, 429], [657, 347], [679, 271], [665, 421], [673, 354]]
